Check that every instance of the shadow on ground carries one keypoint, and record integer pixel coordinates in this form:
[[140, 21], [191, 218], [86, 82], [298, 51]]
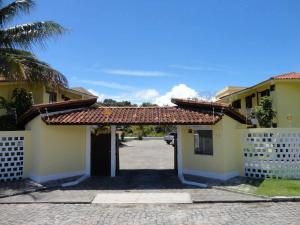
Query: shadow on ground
[[134, 180]]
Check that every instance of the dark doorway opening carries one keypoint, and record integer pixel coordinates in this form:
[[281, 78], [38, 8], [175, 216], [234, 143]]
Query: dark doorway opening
[[100, 154]]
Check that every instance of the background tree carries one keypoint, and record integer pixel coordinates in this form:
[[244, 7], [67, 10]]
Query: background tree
[[264, 112], [111, 102], [148, 104], [16, 62], [14, 108]]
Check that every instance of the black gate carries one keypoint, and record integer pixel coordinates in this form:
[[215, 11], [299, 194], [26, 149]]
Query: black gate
[[175, 153], [100, 154]]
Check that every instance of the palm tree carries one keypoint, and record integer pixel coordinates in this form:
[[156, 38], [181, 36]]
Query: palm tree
[[17, 63]]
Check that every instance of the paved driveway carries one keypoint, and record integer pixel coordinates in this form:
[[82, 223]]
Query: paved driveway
[[146, 154], [188, 214]]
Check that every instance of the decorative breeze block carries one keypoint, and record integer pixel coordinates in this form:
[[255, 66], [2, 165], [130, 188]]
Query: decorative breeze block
[[11, 158], [272, 155]]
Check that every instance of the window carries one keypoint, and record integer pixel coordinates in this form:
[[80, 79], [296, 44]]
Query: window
[[272, 87], [52, 97], [65, 98], [249, 101], [203, 142], [237, 104], [265, 93]]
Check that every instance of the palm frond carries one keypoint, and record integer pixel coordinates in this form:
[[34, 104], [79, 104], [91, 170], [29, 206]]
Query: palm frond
[[21, 65], [12, 10], [26, 35]]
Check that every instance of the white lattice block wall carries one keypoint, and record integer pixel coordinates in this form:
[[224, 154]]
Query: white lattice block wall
[[11, 157], [272, 153]]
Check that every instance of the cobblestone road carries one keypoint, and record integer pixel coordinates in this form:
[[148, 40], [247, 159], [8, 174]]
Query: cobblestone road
[[251, 213]]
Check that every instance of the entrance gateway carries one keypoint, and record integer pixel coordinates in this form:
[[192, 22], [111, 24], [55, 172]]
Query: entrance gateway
[[102, 157], [118, 116], [188, 116]]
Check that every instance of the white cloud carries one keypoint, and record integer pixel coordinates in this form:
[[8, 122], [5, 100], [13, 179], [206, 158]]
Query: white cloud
[[136, 73], [152, 95], [148, 94], [112, 85], [178, 91], [100, 96]]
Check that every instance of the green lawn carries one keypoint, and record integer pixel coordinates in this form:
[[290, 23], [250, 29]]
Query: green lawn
[[272, 187]]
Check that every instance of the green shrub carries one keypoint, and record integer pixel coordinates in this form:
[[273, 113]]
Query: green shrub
[[264, 112]]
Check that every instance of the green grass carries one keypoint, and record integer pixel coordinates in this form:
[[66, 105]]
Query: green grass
[[272, 187]]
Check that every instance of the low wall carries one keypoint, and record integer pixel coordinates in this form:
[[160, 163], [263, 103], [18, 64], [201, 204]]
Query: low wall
[[15, 155], [272, 153]]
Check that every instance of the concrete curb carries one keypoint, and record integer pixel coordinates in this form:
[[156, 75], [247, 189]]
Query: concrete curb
[[60, 203], [240, 192], [25, 192], [270, 199]]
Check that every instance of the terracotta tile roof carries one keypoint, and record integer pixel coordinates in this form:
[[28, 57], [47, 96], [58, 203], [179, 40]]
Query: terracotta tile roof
[[292, 75], [211, 107], [193, 102], [133, 115], [57, 106], [82, 91]]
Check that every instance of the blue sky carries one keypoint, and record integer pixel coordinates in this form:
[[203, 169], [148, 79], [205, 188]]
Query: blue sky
[[140, 50]]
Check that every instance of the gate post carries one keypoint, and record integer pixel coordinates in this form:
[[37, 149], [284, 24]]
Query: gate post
[[88, 151], [179, 153], [113, 151]]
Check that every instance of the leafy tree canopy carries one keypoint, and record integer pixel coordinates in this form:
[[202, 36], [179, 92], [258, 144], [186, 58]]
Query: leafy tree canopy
[[17, 63]]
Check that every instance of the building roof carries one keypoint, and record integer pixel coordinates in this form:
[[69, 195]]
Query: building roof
[[133, 116], [79, 112], [228, 90], [82, 91], [57, 106], [210, 106], [287, 76]]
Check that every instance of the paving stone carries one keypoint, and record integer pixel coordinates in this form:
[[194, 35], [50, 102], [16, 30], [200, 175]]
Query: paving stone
[[76, 214], [142, 198]]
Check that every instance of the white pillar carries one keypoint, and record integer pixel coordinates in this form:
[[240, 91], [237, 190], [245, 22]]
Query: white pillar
[[113, 152], [88, 151], [179, 153]]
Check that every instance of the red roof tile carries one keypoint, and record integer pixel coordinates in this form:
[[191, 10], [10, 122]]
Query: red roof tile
[[292, 75], [133, 115], [56, 106], [193, 102], [210, 106]]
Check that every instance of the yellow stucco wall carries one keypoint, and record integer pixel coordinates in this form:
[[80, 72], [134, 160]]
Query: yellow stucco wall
[[6, 90], [57, 150], [288, 99], [27, 146], [285, 101], [227, 151], [40, 95], [242, 96]]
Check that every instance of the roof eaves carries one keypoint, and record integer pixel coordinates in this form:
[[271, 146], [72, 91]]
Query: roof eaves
[[38, 109]]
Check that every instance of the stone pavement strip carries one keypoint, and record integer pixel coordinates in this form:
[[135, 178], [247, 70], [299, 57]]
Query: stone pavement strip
[[142, 198], [87, 196], [135, 214]]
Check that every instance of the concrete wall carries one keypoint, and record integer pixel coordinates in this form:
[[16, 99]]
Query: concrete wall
[[288, 99], [27, 146], [227, 158], [57, 151]]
